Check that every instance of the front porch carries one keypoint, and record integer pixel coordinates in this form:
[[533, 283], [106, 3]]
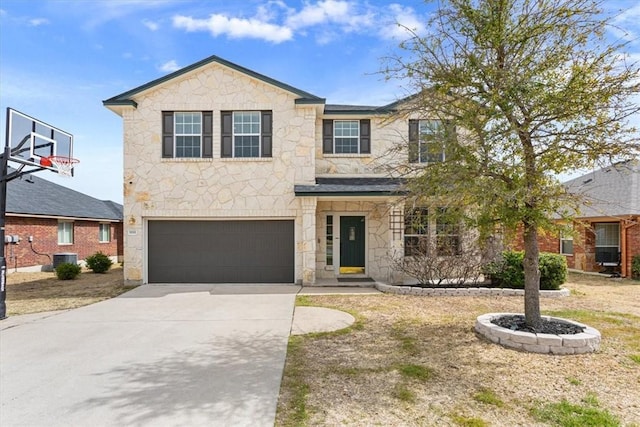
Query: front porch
[[350, 229]]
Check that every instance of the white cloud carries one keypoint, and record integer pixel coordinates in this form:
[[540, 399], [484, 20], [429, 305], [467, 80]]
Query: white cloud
[[151, 25], [326, 12], [326, 20], [218, 24], [404, 23], [320, 13], [169, 66], [36, 22]]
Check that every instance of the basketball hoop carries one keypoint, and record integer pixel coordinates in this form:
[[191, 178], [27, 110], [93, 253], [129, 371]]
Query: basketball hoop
[[63, 164]]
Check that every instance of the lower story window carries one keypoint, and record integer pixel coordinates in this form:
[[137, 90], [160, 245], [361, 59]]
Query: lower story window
[[607, 242], [447, 233], [566, 244], [104, 233], [329, 237], [416, 231], [65, 233], [424, 233]]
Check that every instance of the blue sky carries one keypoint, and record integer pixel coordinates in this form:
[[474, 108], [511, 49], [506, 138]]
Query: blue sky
[[60, 59]]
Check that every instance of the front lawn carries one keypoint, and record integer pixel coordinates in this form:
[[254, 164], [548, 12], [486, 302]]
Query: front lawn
[[417, 361]]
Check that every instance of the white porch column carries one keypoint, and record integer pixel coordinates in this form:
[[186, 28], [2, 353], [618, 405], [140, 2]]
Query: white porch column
[[308, 243]]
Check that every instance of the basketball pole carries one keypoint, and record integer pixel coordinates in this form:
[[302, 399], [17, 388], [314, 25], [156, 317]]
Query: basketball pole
[[4, 161]]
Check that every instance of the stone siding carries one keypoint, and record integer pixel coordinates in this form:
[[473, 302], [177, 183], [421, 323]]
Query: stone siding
[[258, 188]]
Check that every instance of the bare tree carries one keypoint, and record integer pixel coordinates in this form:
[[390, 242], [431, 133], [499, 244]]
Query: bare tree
[[533, 89]]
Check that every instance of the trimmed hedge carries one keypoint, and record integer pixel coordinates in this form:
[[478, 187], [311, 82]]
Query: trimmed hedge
[[98, 262], [509, 271], [67, 271]]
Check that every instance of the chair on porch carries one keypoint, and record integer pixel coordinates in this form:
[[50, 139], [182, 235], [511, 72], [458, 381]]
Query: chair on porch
[[610, 260]]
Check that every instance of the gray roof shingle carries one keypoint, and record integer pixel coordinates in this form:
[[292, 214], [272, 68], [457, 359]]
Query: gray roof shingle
[[610, 191], [351, 187], [42, 197]]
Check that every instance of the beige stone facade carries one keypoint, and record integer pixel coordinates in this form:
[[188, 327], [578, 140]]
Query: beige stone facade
[[260, 188]]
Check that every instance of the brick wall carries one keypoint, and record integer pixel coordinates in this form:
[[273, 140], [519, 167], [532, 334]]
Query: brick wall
[[584, 246], [633, 244], [45, 241]]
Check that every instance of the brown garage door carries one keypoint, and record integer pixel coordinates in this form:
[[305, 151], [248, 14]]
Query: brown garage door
[[221, 251]]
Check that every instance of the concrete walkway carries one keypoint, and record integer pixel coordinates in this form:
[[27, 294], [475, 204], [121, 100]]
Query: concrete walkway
[[156, 356]]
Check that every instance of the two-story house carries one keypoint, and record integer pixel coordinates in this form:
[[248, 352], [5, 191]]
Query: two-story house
[[233, 177]]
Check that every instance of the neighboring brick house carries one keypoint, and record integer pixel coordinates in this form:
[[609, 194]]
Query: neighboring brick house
[[58, 220], [232, 176], [607, 228]]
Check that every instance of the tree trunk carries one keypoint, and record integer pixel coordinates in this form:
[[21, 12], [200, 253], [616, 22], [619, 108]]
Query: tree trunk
[[531, 277]]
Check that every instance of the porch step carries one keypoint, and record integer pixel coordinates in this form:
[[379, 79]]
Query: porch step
[[360, 282]]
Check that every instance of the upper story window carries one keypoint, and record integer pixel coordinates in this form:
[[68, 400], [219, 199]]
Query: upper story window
[[246, 133], [346, 136], [427, 141], [65, 233], [187, 134]]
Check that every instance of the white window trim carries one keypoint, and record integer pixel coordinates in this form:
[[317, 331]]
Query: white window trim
[[565, 237], [426, 235], [432, 233], [176, 134], [100, 227], [71, 232], [234, 134], [421, 143], [335, 137]]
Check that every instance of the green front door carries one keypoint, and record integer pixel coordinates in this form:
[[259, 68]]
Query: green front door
[[352, 244]]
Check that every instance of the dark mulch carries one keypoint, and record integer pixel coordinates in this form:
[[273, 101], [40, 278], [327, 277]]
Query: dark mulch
[[517, 323]]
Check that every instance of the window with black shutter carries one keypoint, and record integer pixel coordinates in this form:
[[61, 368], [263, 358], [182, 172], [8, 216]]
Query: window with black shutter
[[346, 136], [187, 134], [246, 133]]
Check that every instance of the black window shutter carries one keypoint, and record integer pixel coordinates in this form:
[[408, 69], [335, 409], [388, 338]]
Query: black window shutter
[[327, 136], [167, 134], [365, 136], [266, 133], [413, 141], [207, 134], [226, 119]]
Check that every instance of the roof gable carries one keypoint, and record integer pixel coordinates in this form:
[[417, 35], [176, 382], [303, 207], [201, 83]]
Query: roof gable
[[126, 98]]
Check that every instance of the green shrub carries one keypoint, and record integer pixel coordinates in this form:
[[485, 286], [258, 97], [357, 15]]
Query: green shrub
[[98, 262], [509, 271], [635, 267], [553, 271], [67, 271]]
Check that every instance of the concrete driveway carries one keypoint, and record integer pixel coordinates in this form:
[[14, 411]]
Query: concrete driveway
[[160, 355]]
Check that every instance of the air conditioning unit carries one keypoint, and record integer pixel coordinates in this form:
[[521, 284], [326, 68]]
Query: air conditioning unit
[[64, 258]]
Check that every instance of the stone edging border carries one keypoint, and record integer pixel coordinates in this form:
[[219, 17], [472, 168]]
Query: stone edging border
[[584, 342], [414, 290]]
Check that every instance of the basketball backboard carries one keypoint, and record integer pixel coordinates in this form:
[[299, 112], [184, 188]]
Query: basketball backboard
[[32, 141]]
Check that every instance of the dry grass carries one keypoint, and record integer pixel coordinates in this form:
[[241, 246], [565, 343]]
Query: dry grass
[[38, 292], [358, 378]]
